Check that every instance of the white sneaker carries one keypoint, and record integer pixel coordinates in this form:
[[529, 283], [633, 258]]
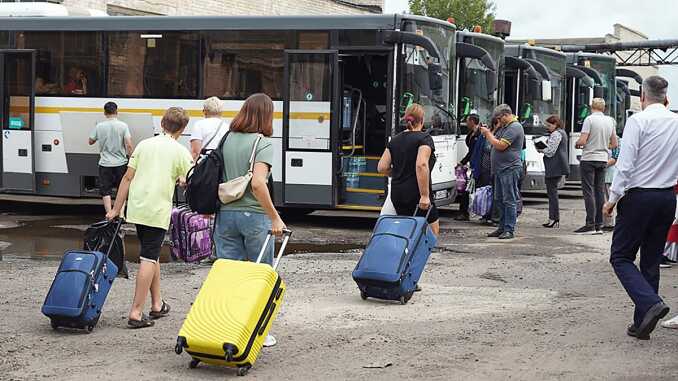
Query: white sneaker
[[665, 266], [671, 323], [270, 341]]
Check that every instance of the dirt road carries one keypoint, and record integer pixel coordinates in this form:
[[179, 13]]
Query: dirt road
[[545, 306]]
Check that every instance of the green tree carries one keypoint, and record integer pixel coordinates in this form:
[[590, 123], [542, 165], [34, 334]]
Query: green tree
[[466, 13]]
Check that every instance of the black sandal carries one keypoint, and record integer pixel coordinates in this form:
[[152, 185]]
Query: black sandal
[[145, 322], [164, 311]]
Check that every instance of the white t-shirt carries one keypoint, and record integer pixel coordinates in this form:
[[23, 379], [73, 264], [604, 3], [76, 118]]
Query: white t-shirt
[[600, 128], [204, 130]]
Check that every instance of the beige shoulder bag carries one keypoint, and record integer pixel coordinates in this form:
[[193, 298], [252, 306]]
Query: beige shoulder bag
[[233, 190]]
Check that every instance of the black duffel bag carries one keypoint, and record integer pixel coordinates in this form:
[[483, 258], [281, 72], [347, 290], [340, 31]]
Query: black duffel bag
[[100, 236]]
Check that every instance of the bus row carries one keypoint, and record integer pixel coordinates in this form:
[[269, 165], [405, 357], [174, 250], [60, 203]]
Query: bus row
[[340, 86], [538, 82]]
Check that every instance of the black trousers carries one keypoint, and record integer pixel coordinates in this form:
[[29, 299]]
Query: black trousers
[[644, 218], [552, 192], [464, 201], [593, 189]]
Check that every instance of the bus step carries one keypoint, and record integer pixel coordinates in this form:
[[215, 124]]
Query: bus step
[[367, 197], [359, 207]]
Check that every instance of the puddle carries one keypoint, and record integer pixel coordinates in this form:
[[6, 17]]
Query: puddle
[[50, 237]]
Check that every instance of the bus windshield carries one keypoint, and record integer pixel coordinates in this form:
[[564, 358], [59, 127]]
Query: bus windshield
[[534, 110], [416, 81], [606, 68], [474, 94]]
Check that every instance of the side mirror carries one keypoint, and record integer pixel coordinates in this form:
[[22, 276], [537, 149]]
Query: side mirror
[[546, 91], [435, 76]]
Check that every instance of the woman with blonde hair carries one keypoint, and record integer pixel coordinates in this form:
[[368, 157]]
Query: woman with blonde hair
[[408, 159]]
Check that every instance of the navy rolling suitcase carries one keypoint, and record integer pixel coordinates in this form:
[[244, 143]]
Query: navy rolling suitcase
[[394, 258], [80, 287]]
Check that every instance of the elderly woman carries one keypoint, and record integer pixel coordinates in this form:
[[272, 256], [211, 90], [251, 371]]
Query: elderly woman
[[556, 166], [207, 133], [409, 158]]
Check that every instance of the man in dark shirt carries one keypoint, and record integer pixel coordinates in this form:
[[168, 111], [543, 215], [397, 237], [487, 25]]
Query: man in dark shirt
[[472, 123], [507, 168]]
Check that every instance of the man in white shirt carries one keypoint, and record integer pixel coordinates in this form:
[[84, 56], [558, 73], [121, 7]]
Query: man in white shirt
[[207, 133], [642, 190], [597, 137]]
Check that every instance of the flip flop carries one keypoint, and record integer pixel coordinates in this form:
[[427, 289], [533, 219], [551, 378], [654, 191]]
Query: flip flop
[[164, 311], [143, 323]]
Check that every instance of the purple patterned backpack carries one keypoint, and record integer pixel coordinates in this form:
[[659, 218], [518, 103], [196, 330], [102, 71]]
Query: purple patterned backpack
[[190, 235]]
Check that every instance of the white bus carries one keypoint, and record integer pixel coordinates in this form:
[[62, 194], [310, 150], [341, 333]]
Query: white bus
[[599, 82], [479, 79], [340, 85], [534, 86]]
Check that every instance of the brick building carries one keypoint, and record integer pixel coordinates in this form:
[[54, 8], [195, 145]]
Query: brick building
[[220, 7]]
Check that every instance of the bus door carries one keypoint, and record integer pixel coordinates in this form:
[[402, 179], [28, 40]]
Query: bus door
[[309, 109], [17, 97]]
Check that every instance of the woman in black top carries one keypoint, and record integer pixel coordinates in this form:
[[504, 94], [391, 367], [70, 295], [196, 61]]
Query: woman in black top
[[556, 164], [409, 158]]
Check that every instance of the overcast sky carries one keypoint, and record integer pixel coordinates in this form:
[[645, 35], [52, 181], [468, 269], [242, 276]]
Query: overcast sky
[[658, 19]]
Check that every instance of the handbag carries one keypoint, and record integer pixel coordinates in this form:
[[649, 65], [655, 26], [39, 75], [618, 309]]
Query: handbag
[[482, 201], [233, 190]]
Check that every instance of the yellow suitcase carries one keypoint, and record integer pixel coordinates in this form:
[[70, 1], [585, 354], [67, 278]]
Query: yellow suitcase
[[233, 312]]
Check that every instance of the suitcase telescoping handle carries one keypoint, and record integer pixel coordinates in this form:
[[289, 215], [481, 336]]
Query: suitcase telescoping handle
[[118, 224], [286, 237], [428, 211]]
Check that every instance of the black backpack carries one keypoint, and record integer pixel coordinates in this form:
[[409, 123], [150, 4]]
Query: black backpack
[[202, 181]]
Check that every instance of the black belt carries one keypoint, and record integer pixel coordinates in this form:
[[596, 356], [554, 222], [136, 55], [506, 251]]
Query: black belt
[[633, 190]]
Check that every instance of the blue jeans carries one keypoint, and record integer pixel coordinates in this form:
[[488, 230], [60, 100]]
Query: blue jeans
[[643, 222], [507, 194], [240, 236]]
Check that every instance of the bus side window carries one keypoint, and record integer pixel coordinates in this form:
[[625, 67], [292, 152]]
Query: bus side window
[[68, 63], [154, 65]]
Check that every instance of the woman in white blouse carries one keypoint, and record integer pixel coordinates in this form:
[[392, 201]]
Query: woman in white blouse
[[556, 166]]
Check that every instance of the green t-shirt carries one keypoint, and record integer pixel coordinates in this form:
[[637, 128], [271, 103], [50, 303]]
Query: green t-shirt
[[237, 150], [159, 162], [111, 134]]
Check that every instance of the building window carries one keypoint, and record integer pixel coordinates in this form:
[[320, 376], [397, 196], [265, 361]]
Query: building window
[[239, 64], [68, 63], [155, 65]]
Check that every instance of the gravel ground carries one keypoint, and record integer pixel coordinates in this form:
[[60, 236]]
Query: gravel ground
[[545, 306]]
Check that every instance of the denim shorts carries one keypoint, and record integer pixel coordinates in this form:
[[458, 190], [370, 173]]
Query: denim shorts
[[240, 235]]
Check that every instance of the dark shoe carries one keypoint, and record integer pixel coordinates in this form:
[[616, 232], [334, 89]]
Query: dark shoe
[[652, 316], [506, 235], [145, 322], [608, 228], [495, 233], [463, 217], [631, 331], [586, 230], [552, 224], [164, 311]]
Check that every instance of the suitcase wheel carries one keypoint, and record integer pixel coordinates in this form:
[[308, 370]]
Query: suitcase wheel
[[363, 295], [243, 370], [54, 324], [89, 328], [194, 363], [405, 298]]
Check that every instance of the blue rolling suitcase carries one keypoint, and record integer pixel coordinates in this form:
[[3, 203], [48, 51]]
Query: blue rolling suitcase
[[80, 288], [394, 258]]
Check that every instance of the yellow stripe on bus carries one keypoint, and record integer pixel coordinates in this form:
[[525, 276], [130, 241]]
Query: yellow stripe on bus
[[319, 116]]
